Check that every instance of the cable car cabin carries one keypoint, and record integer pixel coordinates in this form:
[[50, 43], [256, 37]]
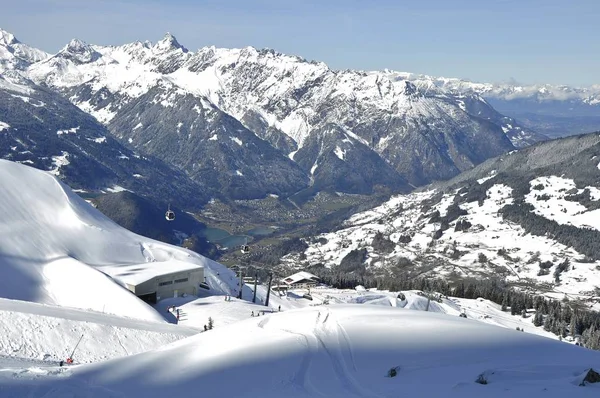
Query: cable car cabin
[[204, 285], [170, 215], [245, 249]]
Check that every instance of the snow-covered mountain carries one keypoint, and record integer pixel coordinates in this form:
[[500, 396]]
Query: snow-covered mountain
[[530, 216], [40, 128], [54, 245], [554, 110], [509, 91], [16, 55], [258, 119]]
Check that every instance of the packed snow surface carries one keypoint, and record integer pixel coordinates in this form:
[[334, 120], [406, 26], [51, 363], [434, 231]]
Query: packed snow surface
[[335, 351], [35, 331]]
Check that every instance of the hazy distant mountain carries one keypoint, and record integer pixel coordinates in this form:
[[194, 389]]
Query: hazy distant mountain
[[553, 110]]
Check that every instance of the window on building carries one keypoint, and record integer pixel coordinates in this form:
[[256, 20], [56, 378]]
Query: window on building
[[181, 280], [165, 283]]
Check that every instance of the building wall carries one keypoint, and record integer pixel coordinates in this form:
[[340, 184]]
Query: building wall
[[182, 282], [303, 285], [166, 285]]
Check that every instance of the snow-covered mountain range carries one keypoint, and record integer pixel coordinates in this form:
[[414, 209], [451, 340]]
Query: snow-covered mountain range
[[16, 55], [254, 122], [553, 110], [530, 217], [509, 91]]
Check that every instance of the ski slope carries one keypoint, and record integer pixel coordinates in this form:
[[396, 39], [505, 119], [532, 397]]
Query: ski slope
[[337, 351], [196, 311], [54, 245], [48, 334]]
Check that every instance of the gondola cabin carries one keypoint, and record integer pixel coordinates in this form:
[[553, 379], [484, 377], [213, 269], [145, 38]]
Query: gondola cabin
[[170, 215], [245, 249]]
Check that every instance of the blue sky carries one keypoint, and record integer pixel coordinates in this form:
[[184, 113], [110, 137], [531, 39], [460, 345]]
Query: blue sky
[[531, 41]]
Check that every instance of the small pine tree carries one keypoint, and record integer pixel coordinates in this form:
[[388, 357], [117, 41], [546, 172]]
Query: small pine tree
[[548, 323], [210, 323], [538, 319]]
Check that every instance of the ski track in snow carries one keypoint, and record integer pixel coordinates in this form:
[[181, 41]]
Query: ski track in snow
[[329, 341]]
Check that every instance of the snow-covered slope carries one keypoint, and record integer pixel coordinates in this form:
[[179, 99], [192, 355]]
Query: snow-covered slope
[[341, 351], [37, 332], [528, 216], [40, 128], [53, 243], [16, 55]]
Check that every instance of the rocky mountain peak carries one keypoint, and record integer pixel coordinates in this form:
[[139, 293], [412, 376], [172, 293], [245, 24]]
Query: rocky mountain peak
[[169, 43], [7, 38], [79, 52]]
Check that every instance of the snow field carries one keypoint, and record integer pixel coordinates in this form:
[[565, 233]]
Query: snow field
[[49, 334], [339, 351]]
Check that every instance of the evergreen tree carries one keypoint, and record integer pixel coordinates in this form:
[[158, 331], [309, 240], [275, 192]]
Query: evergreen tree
[[548, 323], [538, 319], [505, 302]]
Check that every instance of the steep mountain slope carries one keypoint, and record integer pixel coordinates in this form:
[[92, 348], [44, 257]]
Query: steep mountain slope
[[127, 86], [53, 244], [44, 130], [175, 104], [15, 55], [528, 216], [211, 146], [331, 157], [341, 351]]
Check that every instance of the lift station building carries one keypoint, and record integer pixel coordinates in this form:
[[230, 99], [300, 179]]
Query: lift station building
[[158, 280]]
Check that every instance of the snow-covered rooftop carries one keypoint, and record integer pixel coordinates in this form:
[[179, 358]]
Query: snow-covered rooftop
[[300, 276], [135, 274]]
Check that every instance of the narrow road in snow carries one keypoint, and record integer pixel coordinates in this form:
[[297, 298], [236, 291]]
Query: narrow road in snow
[[93, 317]]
